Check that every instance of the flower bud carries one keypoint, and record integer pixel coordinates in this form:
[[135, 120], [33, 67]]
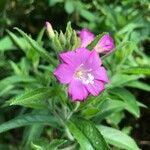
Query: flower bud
[[49, 30], [105, 44], [62, 38]]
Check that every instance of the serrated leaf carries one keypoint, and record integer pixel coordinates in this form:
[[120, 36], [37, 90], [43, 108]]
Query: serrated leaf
[[26, 120], [87, 135], [137, 70], [11, 81], [118, 138], [33, 99], [20, 42], [43, 53]]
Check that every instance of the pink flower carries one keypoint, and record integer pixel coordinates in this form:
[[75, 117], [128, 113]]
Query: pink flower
[[104, 45], [82, 70], [86, 37]]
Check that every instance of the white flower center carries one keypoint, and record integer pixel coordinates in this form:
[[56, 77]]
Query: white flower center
[[85, 76]]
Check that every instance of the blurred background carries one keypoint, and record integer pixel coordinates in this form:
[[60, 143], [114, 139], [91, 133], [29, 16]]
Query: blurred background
[[125, 19]]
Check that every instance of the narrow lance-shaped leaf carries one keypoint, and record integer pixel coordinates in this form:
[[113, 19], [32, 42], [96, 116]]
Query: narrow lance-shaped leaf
[[121, 79], [31, 133], [40, 35], [26, 120], [118, 138], [130, 102], [108, 107], [139, 85], [12, 80], [33, 99], [87, 135], [6, 44], [43, 53], [55, 144], [18, 41], [137, 70]]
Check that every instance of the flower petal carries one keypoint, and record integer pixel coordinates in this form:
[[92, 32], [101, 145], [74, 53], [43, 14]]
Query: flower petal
[[82, 55], [94, 61], [96, 88], [86, 37], [100, 74], [69, 58], [77, 91], [64, 73]]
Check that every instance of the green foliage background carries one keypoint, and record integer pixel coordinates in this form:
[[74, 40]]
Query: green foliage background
[[35, 110]]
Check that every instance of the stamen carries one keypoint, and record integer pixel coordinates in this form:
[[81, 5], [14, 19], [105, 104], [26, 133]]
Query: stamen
[[79, 74], [84, 76]]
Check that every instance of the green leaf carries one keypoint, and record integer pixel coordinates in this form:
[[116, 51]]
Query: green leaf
[[34, 99], [108, 107], [43, 53], [139, 85], [15, 68], [36, 147], [90, 112], [95, 41], [54, 2], [137, 70], [87, 15], [40, 36], [115, 118], [45, 145], [20, 42], [6, 44], [121, 79], [55, 144], [87, 135], [118, 138], [8, 83], [130, 102], [69, 6], [31, 133], [123, 54], [26, 120]]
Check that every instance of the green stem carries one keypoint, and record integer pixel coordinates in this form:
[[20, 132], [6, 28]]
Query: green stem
[[74, 110]]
